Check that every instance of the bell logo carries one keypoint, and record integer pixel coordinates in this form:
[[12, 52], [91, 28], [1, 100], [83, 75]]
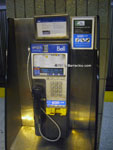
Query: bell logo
[[61, 49]]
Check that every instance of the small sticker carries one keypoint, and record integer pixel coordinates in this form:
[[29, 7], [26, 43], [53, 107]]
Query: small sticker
[[36, 71]]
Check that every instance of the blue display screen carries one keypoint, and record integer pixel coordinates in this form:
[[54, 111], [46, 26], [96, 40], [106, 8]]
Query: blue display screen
[[47, 71], [52, 71]]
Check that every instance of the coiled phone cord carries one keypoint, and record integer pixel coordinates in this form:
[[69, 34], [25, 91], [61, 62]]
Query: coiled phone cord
[[59, 130]]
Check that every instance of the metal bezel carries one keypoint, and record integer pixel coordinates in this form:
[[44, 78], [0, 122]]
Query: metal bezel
[[57, 37], [44, 76]]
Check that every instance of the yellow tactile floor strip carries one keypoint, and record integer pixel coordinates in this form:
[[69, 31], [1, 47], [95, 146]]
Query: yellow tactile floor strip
[[2, 92], [108, 96]]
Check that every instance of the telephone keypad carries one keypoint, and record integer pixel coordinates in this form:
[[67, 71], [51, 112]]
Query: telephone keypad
[[56, 89]]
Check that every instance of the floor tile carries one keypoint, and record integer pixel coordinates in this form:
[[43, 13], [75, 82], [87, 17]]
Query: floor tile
[[108, 109], [106, 138], [2, 119]]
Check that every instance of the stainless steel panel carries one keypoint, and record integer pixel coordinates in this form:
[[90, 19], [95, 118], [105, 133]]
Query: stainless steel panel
[[94, 100], [24, 35], [81, 80], [13, 108], [77, 140]]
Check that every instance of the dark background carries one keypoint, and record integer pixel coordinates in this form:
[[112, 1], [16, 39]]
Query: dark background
[[3, 37]]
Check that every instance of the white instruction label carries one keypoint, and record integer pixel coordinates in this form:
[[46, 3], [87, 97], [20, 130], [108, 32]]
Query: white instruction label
[[51, 29], [49, 60]]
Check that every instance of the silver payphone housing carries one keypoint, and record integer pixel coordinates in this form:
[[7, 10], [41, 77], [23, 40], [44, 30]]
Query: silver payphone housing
[[49, 62]]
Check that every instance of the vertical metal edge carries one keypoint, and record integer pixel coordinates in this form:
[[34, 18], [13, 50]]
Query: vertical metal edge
[[10, 98]]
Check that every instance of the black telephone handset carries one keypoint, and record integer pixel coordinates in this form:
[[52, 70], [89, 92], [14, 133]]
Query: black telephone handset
[[37, 95]]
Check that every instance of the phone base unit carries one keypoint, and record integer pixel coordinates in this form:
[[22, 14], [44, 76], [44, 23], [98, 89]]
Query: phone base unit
[[49, 75]]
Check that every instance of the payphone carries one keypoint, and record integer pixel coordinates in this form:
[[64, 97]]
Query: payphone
[[63, 81], [49, 62], [49, 75]]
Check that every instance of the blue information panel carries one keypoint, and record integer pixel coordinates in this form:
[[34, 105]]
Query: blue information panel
[[82, 40], [53, 103], [49, 48]]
